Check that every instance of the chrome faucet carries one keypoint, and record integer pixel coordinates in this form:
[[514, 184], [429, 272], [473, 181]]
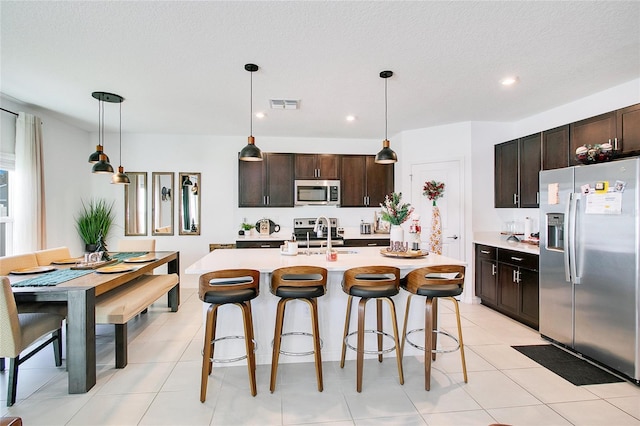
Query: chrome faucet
[[318, 230]]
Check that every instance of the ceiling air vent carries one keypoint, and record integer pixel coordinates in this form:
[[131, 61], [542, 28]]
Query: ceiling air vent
[[284, 103]]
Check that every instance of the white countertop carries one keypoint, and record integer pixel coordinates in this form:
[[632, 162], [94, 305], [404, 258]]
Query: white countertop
[[494, 239], [266, 260]]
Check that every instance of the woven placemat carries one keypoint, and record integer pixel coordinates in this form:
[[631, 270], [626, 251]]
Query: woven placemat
[[52, 278]]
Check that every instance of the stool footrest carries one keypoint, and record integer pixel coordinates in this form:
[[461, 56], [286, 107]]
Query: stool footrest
[[383, 351], [438, 351], [240, 358], [297, 333]]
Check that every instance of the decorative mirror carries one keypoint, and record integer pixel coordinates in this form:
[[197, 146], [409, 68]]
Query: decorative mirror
[[162, 203], [135, 204], [189, 203]]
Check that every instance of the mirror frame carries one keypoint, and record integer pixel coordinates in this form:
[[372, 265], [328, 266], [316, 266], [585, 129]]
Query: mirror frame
[[161, 195], [193, 176], [135, 177]]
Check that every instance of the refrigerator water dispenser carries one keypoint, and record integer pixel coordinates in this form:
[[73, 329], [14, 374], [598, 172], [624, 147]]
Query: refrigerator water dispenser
[[555, 231]]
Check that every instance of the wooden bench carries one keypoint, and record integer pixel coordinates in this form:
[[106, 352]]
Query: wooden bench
[[123, 303]]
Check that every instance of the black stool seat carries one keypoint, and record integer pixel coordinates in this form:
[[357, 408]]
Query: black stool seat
[[300, 292], [447, 290], [374, 292], [230, 296]]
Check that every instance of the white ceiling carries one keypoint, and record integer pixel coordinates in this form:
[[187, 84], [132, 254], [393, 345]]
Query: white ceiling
[[180, 64]]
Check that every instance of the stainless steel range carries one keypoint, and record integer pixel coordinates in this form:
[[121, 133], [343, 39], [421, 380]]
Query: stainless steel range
[[303, 229]]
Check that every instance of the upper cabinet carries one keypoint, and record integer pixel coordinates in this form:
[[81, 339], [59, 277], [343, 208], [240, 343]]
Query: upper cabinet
[[628, 129], [267, 183], [555, 148], [317, 166], [364, 182], [517, 164], [594, 130]]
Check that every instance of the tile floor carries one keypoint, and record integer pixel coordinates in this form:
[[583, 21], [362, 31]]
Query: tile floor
[[160, 386]]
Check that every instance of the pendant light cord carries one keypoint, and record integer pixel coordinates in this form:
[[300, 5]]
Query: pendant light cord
[[120, 134], [251, 105], [385, 108]]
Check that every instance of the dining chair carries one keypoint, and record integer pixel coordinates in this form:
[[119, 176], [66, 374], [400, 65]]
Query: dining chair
[[434, 282], [20, 331], [136, 245], [47, 256], [17, 261]]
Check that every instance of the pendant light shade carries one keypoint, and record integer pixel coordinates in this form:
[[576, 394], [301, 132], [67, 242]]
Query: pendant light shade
[[103, 166], [251, 152], [95, 157], [386, 154]]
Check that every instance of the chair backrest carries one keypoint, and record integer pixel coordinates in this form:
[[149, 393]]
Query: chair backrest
[[229, 279], [10, 332], [136, 245], [432, 276], [18, 261], [371, 276], [298, 276], [45, 257]]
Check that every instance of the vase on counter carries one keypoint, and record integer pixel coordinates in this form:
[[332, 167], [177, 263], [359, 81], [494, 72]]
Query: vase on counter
[[435, 239], [396, 234]]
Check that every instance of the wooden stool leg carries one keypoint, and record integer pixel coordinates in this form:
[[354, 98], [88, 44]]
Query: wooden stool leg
[[464, 362], [428, 338], [360, 348], [248, 339], [434, 319], [404, 328], [207, 352], [277, 338], [394, 322], [346, 330], [252, 358], [313, 305], [214, 322], [379, 334]]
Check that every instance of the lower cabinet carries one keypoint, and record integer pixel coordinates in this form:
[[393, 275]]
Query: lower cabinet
[[507, 281], [375, 242], [259, 244]]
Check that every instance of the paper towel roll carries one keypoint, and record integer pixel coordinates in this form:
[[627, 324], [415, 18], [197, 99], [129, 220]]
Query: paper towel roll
[[527, 228]]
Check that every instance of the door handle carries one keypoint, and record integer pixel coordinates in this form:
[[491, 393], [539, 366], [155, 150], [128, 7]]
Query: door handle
[[455, 237], [493, 269]]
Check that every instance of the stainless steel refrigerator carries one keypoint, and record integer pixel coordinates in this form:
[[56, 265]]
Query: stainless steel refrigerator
[[590, 262]]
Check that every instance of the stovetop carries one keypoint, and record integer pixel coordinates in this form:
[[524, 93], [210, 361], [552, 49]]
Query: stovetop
[[304, 226]]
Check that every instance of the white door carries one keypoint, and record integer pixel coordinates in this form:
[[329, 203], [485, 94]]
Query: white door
[[451, 206]]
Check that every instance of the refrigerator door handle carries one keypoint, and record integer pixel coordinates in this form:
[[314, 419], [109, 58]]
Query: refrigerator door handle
[[572, 243], [566, 232]]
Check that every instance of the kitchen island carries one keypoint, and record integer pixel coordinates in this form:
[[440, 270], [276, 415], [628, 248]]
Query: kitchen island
[[331, 306]]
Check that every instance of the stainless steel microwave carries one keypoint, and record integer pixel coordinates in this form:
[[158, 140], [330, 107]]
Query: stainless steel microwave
[[317, 192]]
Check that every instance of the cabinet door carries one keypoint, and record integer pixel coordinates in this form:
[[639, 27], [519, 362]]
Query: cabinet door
[[530, 158], [328, 166], [628, 129], [353, 181], [555, 148], [595, 130], [506, 174], [279, 180], [529, 299], [487, 274], [251, 183], [508, 288], [379, 181], [305, 166]]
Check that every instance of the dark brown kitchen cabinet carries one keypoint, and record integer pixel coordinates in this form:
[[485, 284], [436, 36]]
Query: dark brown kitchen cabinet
[[517, 164], [555, 148], [594, 130], [628, 130], [366, 242], [486, 274], [267, 183], [364, 183], [259, 244], [317, 166], [507, 281]]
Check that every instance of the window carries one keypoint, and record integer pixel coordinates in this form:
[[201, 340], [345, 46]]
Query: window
[[6, 221]]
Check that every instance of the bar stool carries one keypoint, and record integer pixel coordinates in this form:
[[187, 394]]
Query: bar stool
[[428, 282], [305, 283], [239, 287], [371, 282]]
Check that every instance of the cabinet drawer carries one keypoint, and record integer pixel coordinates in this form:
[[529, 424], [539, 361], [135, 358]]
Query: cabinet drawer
[[518, 258], [259, 244], [485, 252], [377, 242]]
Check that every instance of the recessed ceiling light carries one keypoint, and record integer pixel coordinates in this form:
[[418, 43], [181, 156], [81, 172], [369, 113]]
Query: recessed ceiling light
[[260, 115], [509, 81], [351, 117]]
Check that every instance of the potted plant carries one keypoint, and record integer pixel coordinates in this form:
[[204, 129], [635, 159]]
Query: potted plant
[[246, 228], [93, 223], [396, 213]]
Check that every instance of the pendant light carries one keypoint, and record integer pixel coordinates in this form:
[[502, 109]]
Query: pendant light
[[103, 166], [251, 152], [386, 154], [95, 157], [120, 177]]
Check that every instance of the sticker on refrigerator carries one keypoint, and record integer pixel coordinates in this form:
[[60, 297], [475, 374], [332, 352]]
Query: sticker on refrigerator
[[554, 193], [606, 203], [619, 187]]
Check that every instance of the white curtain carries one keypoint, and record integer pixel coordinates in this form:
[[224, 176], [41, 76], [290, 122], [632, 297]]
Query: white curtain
[[29, 223]]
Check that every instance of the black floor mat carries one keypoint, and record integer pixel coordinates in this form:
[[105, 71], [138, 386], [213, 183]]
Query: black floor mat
[[568, 366]]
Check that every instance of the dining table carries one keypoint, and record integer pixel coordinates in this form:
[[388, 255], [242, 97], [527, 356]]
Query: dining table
[[79, 291]]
